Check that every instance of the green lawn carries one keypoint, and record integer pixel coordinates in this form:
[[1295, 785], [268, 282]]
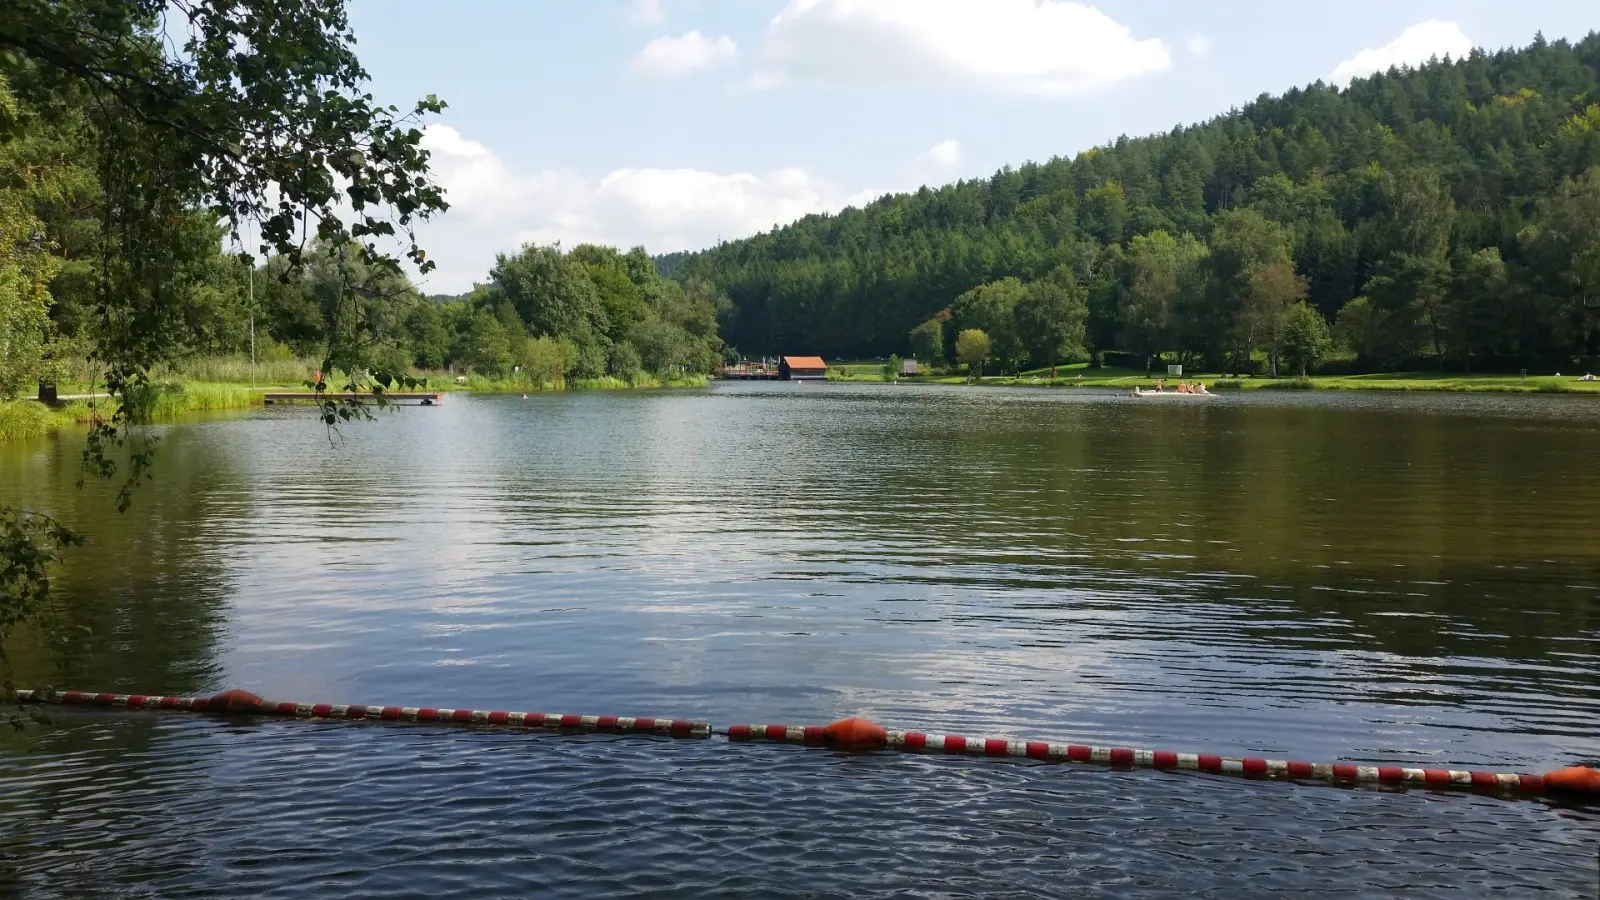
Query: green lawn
[[212, 384], [1082, 375]]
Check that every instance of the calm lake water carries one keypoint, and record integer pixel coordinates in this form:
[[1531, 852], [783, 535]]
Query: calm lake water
[[1333, 577]]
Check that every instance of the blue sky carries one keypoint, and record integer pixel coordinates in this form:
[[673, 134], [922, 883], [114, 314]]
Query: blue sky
[[671, 123]]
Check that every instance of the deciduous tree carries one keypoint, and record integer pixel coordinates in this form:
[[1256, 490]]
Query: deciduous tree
[[972, 348], [1050, 318]]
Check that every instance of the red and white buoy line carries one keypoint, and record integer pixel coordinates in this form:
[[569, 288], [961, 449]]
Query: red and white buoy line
[[860, 735], [245, 703], [1126, 757]]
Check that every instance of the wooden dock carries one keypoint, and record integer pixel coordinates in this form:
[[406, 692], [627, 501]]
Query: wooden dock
[[405, 399], [750, 372]]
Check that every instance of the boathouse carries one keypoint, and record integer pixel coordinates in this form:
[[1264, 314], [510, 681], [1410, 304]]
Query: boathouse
[[802, 368]]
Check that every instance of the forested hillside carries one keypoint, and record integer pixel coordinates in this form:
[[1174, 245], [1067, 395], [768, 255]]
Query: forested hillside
[[1447, 216]]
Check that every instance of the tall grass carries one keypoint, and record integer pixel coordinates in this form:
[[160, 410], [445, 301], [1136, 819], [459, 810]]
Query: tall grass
[[276, 369], [25, 419], [156, 401], [521, 383], [275, 365], [21, 419]]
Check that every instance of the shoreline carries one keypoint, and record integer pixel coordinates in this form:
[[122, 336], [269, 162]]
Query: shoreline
[[26, 418], [1420, 382]]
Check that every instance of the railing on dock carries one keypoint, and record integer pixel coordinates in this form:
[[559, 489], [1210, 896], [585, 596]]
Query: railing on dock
[[419, 399]]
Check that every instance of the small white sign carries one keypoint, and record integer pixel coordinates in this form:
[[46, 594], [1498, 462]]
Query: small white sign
[[1174, 370]]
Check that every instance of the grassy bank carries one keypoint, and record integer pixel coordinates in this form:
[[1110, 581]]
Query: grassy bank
[[20, 419], [156, 402], [1081, 375], [279, 372], [224, 383]]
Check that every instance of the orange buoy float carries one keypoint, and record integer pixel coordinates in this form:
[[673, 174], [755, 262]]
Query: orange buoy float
[[235, 701], [1574, 779], [856, 734]]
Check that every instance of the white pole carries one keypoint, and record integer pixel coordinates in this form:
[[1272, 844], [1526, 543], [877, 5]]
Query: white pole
[[252, 322]]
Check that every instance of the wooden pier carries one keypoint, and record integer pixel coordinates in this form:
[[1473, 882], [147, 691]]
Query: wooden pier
[[787, 368], [750, 372], [404, 399]]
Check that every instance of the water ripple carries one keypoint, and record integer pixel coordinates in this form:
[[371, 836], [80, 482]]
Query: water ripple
[[1373, 579]]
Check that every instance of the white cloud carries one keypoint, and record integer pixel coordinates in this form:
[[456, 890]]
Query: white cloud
[[646, 12], [1415, 46], [692, 52], [1198, 45], [1038, 47], [936, 163], [495, 208], [944, 155]]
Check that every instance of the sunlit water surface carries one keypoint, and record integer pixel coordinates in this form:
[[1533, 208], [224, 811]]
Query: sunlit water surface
[[1334, 577]]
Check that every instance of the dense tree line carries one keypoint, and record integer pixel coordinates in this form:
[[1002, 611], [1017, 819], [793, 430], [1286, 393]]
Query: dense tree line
[[589, 312], [1445, 216], [585, 313]]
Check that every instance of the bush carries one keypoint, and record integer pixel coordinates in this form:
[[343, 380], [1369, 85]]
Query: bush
[[388, 358], [545, 361], [662, 346], [1227, 384], [623, 362], [1290, 384]]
